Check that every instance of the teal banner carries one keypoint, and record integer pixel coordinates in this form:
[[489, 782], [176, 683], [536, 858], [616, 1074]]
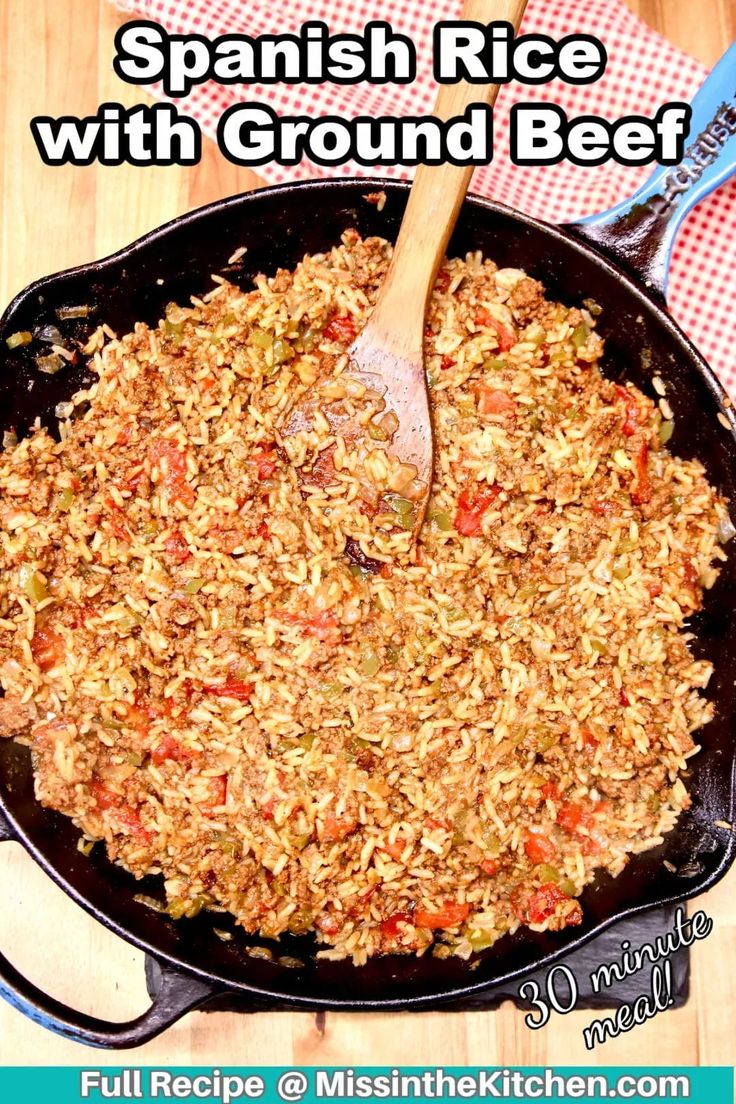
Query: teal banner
[[310, 1084]]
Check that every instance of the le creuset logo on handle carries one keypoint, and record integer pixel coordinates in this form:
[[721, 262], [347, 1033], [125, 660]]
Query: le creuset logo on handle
[[702, 153]]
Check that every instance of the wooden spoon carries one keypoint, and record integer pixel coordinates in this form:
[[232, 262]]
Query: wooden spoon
[[387, 355]]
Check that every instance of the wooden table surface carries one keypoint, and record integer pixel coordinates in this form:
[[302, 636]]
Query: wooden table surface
[[55, 59]]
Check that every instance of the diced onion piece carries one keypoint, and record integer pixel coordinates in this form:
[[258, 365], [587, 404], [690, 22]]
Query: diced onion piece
[[49, 365], [726, 529], [22, 337], [82, 311]]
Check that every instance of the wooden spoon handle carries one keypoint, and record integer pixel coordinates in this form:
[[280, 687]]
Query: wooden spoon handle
[[434, 202]]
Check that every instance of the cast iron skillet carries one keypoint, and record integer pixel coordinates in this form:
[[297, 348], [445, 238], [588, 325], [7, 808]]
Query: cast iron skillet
[[278, 225]]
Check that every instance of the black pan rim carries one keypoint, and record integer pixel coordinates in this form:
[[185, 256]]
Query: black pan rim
[[565, 235]]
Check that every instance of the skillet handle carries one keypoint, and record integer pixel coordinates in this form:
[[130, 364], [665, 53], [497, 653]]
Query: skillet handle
[[640, 232], [177, 993]]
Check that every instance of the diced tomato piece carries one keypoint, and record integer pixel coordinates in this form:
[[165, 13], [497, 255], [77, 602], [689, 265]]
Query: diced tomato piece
[[139, 715], [322, 626], [603, 508], [690, 574], [267, 807], [123, 437], [538, 846], [570, 816], [506, 336], [47, 648], [435, 825], [330, 925], [230, 688], [144, 710], [390, 926], [117, 521], [589, 738], [170, 748], [623, 697], [395, 849], [472, 504], [171, 463], [544, 901], [386, 571], [631, 410], [493, 401], [263, 531], [442, 282], [574, 916], [130, 819], [654, 588], [218, 790], [549, 790], [447, 362], [642, 488], [490, 867], [266, 460], [337, 828], [449, 916], [342, 328], [106, 799], [135, 479], [177, 547]]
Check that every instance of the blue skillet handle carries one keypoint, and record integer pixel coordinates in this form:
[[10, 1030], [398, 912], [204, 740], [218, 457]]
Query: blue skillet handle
[[176, 994], [640, 232]]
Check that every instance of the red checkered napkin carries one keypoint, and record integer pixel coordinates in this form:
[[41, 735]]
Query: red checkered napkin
[[643, 72]]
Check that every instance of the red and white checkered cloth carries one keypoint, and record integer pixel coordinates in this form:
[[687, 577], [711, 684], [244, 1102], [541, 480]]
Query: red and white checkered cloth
[[643, 71]]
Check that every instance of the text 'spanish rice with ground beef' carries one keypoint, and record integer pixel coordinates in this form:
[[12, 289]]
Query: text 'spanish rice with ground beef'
[[233, 668]]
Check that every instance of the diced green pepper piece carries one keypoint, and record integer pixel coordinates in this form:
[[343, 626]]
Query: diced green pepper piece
[[177, 908], [665, 431], [32, 583], [65, 499], [282, 351], [547, 873], [370, 662], [262, 339], [483, 940], [403, 508], [580, 335], [441, 520]]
